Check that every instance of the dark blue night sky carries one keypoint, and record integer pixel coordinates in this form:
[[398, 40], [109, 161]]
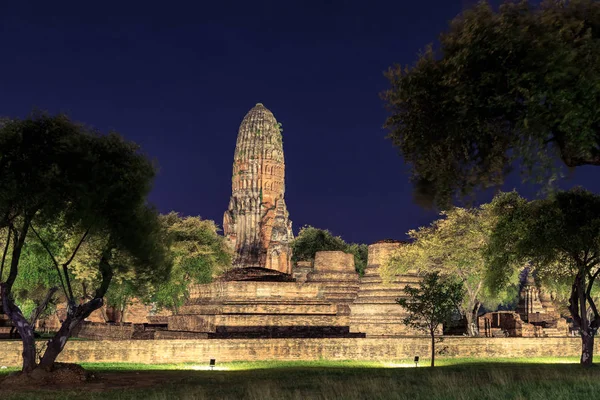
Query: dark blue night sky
[[178, 77]]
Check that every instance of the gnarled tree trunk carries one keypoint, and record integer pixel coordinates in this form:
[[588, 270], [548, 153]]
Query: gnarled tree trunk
[[24, 328], [587, 349], [75, 316], [578, 309]]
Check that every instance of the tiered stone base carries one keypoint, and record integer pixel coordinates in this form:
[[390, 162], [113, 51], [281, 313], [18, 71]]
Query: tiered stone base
[[335, 271], [255, 309], [375, 311]]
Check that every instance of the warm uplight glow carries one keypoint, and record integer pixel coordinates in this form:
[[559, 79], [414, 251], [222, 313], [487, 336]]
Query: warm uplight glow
[[207, 368], [396, 365]]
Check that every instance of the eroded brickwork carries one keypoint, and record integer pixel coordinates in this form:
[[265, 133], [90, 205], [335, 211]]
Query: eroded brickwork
[[335, 271], [369, 349], [257, 221], [375, 311], [274, 309]]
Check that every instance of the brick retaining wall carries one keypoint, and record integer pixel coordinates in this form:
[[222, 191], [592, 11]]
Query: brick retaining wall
[[201, 350], [99, 331]]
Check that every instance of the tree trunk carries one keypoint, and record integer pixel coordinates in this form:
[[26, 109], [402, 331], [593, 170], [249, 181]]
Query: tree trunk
[[23, 327], [587, 349], [474, 324], [587, 334], [76, 314], [432, 348], [469, 317], [578, 309], [74, 317], [104, 314]]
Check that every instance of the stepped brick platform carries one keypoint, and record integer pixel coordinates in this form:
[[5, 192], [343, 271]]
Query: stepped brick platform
[[251, 307], [335, 271], [255, 274], [375, 311]]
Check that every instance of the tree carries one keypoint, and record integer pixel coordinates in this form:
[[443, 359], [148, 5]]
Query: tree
[[31, 290], [560, 238], [455, 245], [199, 253], [63, 183], [432, 304], [310, 240], [517, 88]]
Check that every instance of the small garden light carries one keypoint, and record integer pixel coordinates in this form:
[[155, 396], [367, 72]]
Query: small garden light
[[416, 361], [212, 363]]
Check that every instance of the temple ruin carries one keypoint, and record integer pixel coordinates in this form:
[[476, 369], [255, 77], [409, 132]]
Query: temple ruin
[[535, 315], [257, 222], [265, 296]]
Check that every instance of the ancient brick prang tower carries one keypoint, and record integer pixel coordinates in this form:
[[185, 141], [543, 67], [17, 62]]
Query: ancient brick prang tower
[[257, 221]]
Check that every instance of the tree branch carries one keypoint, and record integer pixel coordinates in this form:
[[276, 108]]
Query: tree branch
[[588, 294], [16, 253], [593, 259], [573, 158], [43, 242], [574, 301], [35, 314], [65, 266], [4, 254], [107, 274], [77, 247], [62, 283]]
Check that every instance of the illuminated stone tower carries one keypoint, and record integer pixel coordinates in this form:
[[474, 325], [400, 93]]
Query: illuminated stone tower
[[257, 221]]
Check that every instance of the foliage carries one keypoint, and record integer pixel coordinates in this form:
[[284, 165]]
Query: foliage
[[310, 240], [454, 245], [507, 89], [199, 253], [431, 304], [560, 238], [60, 185], [34, 280], [361, 253]]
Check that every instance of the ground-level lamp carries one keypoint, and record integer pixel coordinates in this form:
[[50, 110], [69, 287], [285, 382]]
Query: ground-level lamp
[[416, 361], [212, 363]]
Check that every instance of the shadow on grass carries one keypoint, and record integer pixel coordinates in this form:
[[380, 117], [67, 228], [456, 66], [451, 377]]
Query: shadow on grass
[[471, 379]]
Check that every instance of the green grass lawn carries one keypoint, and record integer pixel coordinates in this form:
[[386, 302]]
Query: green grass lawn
[[541, 378]]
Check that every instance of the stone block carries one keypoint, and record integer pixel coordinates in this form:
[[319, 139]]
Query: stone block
[[334, 261]]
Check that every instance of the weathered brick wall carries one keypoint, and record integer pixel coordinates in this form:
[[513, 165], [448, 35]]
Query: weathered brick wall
[[99, 331], [327, 261], [178, 351]]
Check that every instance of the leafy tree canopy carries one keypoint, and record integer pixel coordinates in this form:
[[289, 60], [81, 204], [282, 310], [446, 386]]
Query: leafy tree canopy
[[517, 87], [60, 184], [311, 239], [431, 304], [454, 245], [560, 238], [199, 253]]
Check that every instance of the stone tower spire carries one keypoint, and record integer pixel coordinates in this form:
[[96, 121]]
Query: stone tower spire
[[257, 221]]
